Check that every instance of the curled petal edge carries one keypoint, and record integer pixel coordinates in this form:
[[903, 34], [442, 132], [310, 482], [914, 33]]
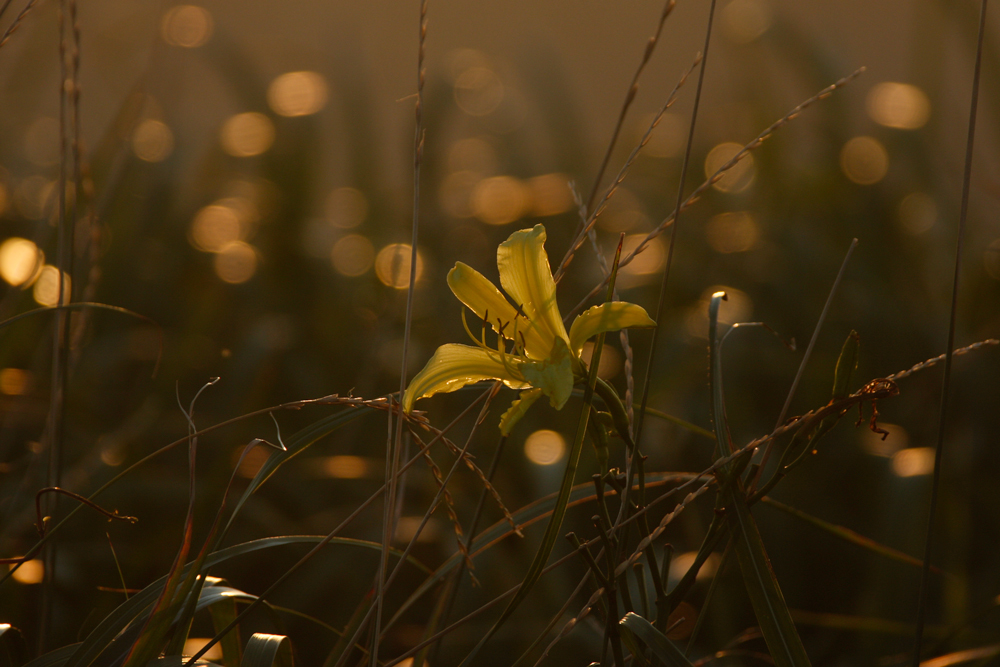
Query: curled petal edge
[[453, 366], [610, 316]]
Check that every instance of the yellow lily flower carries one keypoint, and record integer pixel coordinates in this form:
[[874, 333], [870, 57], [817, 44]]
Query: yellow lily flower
[[534, 353]]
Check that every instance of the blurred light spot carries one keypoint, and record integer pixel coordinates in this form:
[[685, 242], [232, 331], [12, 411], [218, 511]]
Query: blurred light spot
[[623, 213], [392, 265], [667, 139], [409, 661], [247, 134], [649, 261], [746, 20], [500, 200], [20, 261], [898, 105], [14, 381], [478, 91], [345, 467], [738, 307], [346, 208], [41, 142], [408, 525], [195, 644], [913, 462], [252, 461], [112, 454], [297, 94], [33, 197], [46, 289], [544, 447], [736, 179], [681, 563], [735, 231], [459, 60], [550, 195], [236, 263], [30, 572], [873, 443], [991, 258], [864, 160], [917, 213], [189, 26], [455, 194], [152, 141], [611, 360], [214, 227], [353, 255], [472, 154]]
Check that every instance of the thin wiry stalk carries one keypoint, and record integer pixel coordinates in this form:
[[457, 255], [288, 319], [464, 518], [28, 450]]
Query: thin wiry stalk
[[802, 364], [572, 555], [941, 357], [719, 173], [55, 427], [17, 22], [555, 619], [623, 338], [661, 301], [946, 381], [452, 591], [392, 451], [326, 540], [629, 98], [806, 420], [442, 490], [581, 236]]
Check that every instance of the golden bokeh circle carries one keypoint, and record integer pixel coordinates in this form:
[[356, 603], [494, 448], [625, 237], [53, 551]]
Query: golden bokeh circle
[[544, 447], [297, 94], [152, 141], [738, 177], [247, 134], [392, 265], [236, 263], [864, 160], [20, 261], [188, 26], [352, 255]]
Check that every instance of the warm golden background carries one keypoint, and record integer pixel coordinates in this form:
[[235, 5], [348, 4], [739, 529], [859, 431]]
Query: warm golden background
[[251, 165]]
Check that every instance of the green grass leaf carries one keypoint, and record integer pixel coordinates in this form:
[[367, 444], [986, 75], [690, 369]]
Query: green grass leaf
[[662, 648], [265, 650]]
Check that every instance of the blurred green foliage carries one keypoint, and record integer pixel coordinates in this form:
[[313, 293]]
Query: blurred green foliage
[[298, 329]]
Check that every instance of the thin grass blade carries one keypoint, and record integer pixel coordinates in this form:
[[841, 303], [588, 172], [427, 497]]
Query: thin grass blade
[[662, 648], [265, 650], [768, 603]]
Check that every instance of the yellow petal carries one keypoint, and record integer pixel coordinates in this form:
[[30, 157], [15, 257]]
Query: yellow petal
[[527, 278], [518, 409], [484, 299], [554, 376], [610, 316], [454, 366]]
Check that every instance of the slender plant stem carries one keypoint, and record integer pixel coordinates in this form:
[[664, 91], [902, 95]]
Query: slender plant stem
[[395, 440], [629, 98], [802, 365], [673, 239], [60, 342], [946, 382], [452, 591]]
